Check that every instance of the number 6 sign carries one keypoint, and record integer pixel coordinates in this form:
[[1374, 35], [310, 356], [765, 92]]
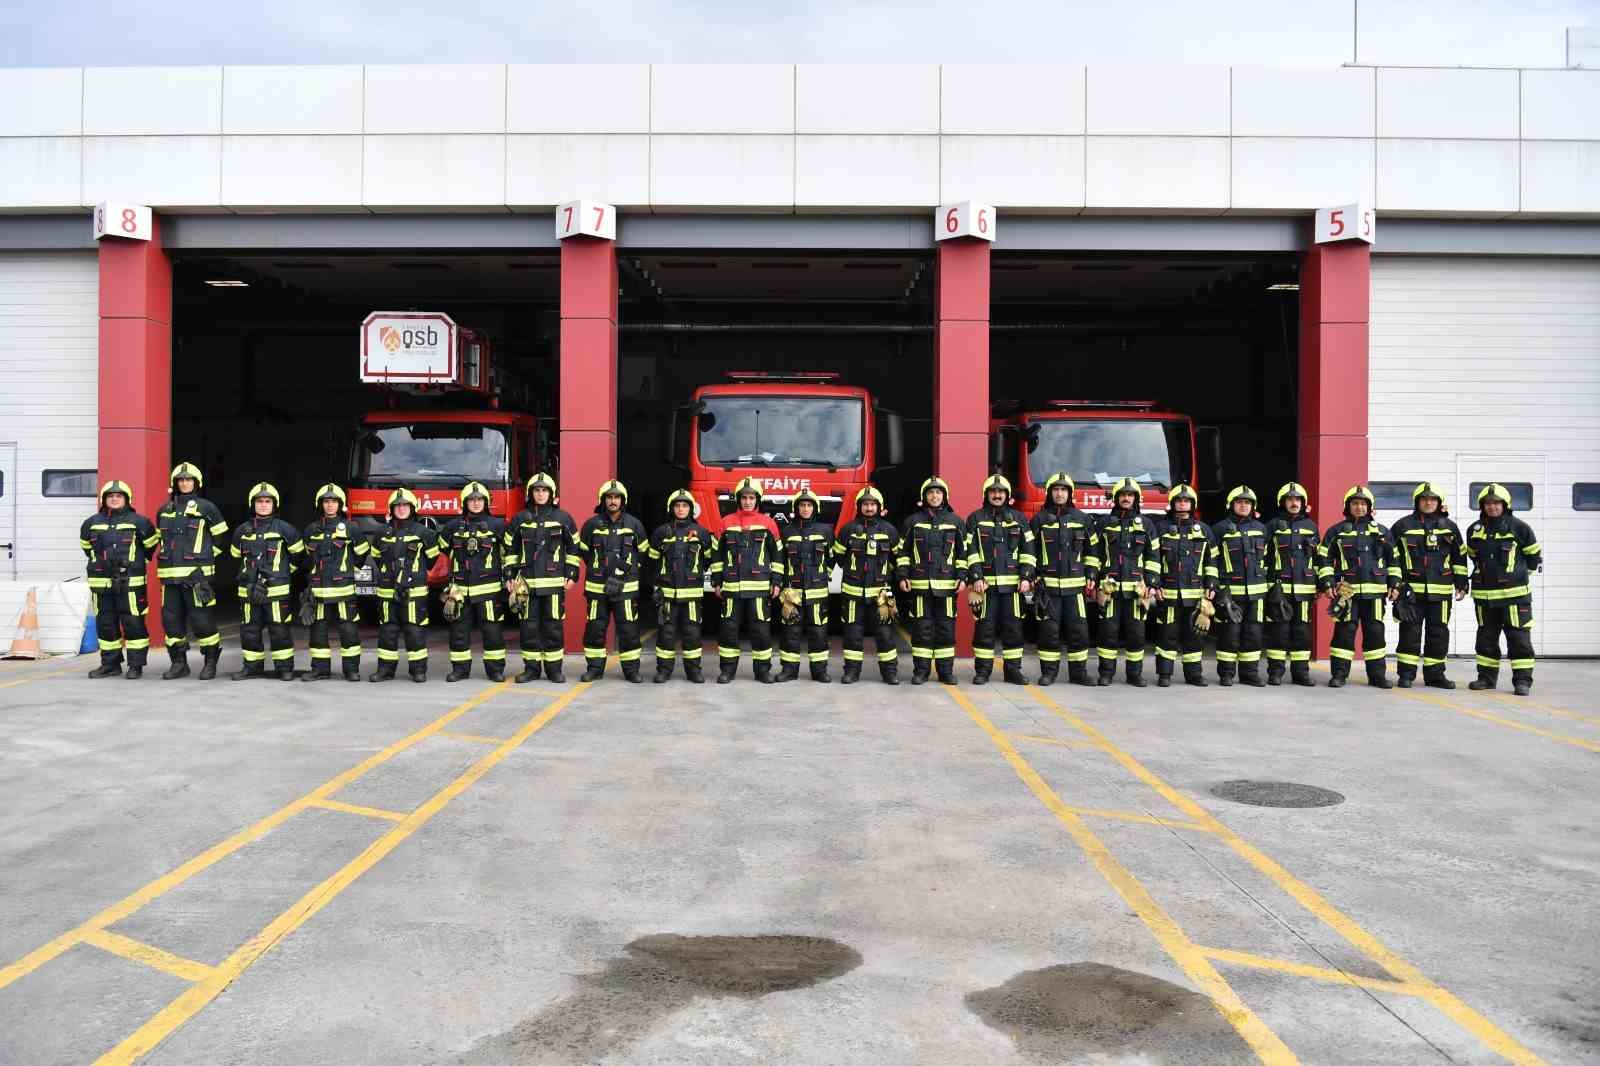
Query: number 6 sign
[[1348, 222], [586, 218], [131, 221], [969, 218]]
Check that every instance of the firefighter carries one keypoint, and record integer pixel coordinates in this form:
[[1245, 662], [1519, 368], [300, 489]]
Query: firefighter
[[192, 535], [541, 549], [403, 552], [1357, 568], [475, 542], [865, 550], [267, 548], [611, 544], [118, 543], [746, 575], [1186, 583], [1066, 542], [807, 545], [1240, 569], [334, 548], [1504, 553], [1433, 568], [931, 562], [682, 552], [1000, 570], [1292, 560], [1128, 538]]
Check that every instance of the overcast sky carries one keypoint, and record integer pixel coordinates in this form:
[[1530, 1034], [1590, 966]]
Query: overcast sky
[[1273, 32]]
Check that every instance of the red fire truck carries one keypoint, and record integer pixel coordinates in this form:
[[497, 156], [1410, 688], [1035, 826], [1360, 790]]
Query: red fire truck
[[1097, 443], [789, 431], [442, 428]]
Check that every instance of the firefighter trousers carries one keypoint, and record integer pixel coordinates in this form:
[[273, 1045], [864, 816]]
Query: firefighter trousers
[[933, 634], [1177, 640], [540, 632], [1430, 637], [1366, 613], [402, 618], [861, 618], [490, 618], [680, 625], [1122, 622], [1063, 624], [181, 615], [1516, 621], [340, 614], [272, 619], [1002, 617], [741, 614], [806, 639], [1239, 643], [602, 613], [120, 627], [1289, 642]]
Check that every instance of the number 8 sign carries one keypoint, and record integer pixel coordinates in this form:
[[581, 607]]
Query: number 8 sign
[[586, 218], [969, 218], [131, 221]]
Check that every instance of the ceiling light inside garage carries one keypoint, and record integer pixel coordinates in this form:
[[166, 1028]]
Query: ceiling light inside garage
[[227, 283], [1284, 286]]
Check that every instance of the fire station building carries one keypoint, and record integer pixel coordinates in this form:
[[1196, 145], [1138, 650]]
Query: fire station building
[[1353, 274]]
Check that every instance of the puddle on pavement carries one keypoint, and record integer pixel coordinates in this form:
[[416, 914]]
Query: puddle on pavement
[[1088, 1012], [659, 975]]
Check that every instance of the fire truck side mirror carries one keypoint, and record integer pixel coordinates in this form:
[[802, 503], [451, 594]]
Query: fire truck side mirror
[[678, 431], [997, 449], [1208, 442], [372, 442], [891, 439]]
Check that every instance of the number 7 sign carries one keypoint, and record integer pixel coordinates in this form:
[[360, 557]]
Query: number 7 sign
[[586, 218], [1348, 222]]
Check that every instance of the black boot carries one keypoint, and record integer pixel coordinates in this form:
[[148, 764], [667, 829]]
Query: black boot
[[1225, 676], [179, 667], [593, 669], [136, 671], [384, 672], [725, 671], [692, 672], [789, 672], [1135, 673], [1338, 679], [947, 671], [1483, 681], [318, 673], [763, 671], [819, 673], [664, 671], [1012, 673], [419, 674], [1163, 680], [919, 674], [1107, 674], [1251, 675], [107, 669], [248, 672], [285, 671], [852, 672], [1437, 680], [980, 674], [530, 670], [890, 672], [495, 671], [1195, 677], [630, 672], [1379, 678], [1519, 686], [208, 663], [1078, 674], [1047, 675], [459, 672], [1275, 672], [352, 671]]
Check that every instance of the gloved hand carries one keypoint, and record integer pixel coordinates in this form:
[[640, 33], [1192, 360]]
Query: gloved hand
[[455, 598], [1204, 612], [888, 610], [790, 600], [517, 597]]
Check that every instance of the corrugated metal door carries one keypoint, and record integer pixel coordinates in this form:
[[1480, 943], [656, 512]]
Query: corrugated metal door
[[8, 510], [49, 400], [1487, 368]]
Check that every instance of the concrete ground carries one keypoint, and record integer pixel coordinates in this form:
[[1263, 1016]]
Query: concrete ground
[[473, 874]]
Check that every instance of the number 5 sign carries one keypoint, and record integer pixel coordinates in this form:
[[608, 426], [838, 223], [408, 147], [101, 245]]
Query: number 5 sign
[[1350, 222], [969, 218], [586, 218], [122, 220]]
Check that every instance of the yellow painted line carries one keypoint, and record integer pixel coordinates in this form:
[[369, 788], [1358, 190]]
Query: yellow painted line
[[149, 954], [1509, 723], [1319, 973], [476, 738], [1089, 744], [206, 859], [41, 674], [354, 808], [1490, 1035], [1262, 1040], [1560, 712], [1139, 817], [189, 1003]]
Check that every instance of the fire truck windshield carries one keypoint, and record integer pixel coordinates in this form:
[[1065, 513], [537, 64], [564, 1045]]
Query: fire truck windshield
[[781, 431], [1100, 452], [431, 454]]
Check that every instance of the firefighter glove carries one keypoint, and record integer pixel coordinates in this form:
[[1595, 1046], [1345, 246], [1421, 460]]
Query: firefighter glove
[[454, 599], [517, 597], [888, 611]]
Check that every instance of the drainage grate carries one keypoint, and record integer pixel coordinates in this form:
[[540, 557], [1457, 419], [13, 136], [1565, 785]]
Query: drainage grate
[[1276, 794]]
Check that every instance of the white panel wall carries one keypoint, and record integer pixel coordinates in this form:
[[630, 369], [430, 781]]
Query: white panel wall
[[446, 170], [1283, 173], [41, 102], [1561, 177], [181, 171], [1165, 101], [722, 171], [1423, 177], [1560, 104], [49, 362], [722, 99], [578, 98], [436, 99], [1294, 102], [1507, 353], [1014, 99], [852, 98], [296, 171], [1414, 102], [1153, 173], [543, 170], [866, 171], [1044, 173], [279, 100], [41, 172], [133, 101]]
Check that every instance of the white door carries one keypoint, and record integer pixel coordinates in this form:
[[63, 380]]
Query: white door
[[1525, 476], [8, 511]]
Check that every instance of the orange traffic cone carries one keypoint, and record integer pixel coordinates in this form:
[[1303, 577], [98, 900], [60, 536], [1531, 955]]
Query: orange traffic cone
[[25, 645]]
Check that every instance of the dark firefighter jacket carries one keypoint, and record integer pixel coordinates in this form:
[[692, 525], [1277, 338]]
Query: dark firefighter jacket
[[541, 546], [1127, 539], [749, 563], [403, 553], [865, 549], [611, 549], [683, 553], [1431, 553], [192, 535], [1242, 565], [1293, 554], [1360, 553], [266, 549], [807, 561], [1000, 549], [1186, 558], [476, 546], [1504, 552], [118, 546], [1066, 543], [932, 553], [334, 549]]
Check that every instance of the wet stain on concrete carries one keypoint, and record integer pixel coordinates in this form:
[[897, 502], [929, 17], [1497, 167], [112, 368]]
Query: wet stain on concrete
[[1086, 1011], [657, 976]]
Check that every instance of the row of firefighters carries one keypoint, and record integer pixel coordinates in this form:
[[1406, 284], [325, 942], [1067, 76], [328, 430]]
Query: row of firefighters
[[1122, 577]]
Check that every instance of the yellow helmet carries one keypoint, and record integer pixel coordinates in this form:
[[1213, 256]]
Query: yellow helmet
[[1242, 492], [934, 482], [260, 489], [867, 492], [1126, 484], [609, 488], [747, 484], [542, 480], [996, 481], [474, 488], [1060, 477], [184, 470], [806, 494], [403, 496], [115, 486], [1180, 491], [330, 491], [1494, 491], [1359, 492], [1294, 488], [1427, 488], [684, 496]]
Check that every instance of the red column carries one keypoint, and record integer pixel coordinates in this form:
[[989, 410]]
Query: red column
[[1335, 284], [136, 376], [961, 381], [588, 387]]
